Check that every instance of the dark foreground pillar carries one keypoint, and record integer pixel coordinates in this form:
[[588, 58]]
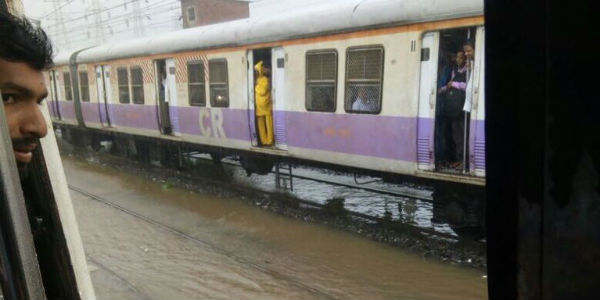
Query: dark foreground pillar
[[543, 146]]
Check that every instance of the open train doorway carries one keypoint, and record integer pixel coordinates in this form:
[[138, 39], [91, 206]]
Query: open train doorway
[[454, 98], [163, 88], [448, 68], [266, 88]]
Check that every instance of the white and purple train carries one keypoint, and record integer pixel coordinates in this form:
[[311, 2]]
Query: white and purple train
[[319, 57]]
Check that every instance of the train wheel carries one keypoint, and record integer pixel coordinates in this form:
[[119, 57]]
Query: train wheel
[[216, 157], [461, 208], [256, 165]]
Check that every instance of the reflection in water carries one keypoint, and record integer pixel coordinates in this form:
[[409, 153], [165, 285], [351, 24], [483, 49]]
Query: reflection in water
[[232, 250]]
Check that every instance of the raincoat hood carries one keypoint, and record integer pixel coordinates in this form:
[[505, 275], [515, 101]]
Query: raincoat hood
[[259, 68]]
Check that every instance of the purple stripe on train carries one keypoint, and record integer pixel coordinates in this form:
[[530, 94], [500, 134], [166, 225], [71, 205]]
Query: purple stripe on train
[[372, 135], [369, 135], [134, 115], [67, 110], [90, 112]]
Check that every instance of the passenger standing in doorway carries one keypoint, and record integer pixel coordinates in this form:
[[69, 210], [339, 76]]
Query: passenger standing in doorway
[[454, 93], [264, 107], [164, 86]]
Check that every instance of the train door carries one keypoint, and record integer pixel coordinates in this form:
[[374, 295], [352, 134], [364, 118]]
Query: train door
[[164, 87], [427, 97], [251, 115], [172, 95], [458, 84], [477, 122], [278, 98], [54, 96], [104, 94]]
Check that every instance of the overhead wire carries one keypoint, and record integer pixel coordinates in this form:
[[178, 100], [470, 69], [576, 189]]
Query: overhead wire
[[57, 9], [105, 10]]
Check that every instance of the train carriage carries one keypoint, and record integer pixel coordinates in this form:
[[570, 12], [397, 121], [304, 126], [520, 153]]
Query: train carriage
[[196, 87]]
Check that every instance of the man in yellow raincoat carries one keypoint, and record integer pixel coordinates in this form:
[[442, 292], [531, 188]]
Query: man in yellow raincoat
[[264, 107]]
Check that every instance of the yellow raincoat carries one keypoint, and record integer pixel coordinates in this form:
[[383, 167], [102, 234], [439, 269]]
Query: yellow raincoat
[[264, 107]]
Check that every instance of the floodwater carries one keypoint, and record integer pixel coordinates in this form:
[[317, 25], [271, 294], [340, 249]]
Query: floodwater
[[403, 209], [185, 245]]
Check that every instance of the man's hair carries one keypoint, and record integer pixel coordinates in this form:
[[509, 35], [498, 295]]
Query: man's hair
[[469, 43], [22, 42]]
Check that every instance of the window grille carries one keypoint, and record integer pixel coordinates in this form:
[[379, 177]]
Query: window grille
[[84, 87], [196, 87], [321, 80], [219, 88], [123, 80], [137, 85], [68, 89], [364, 79]]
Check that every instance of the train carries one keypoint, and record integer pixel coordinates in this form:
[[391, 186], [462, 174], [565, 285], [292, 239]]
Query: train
[[195, 88]]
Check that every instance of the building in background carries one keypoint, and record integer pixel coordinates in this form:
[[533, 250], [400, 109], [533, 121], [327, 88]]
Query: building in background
[[204, 12]]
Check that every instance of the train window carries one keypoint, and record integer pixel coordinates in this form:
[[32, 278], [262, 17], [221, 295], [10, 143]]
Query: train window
[[68, 90], [84, 87], [219, 88], [321, 80], [196, 89], [137, 85], [123, 80], [364, 79]]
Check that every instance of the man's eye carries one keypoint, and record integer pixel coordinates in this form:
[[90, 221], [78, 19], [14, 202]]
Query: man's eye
[[8, 98]]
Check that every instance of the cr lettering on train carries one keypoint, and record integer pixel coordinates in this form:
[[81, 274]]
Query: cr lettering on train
[[214, 126]]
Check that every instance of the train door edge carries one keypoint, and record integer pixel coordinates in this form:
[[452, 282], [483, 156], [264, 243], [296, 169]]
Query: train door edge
[[103, 92], [477, 125], [251, 114], [427, 97], [278, 98], [171, 66], [54, 94]]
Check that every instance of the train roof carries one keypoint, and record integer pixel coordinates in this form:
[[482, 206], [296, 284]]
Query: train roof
[[339, 16]]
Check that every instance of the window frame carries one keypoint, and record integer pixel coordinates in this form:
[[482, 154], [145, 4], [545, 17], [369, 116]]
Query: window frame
[[346, 83], [68, 83], [210, 84], [119, 85], [335, 83], [81, 86], [193, 10], [203, 83], [141, 85]]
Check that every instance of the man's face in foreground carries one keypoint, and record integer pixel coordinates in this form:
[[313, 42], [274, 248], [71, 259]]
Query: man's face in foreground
[[23, 89]]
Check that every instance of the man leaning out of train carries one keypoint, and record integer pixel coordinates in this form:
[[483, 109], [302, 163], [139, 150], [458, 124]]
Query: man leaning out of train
[[25, 51]]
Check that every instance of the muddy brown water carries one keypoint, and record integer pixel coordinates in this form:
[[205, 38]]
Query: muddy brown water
[[232, 250]]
